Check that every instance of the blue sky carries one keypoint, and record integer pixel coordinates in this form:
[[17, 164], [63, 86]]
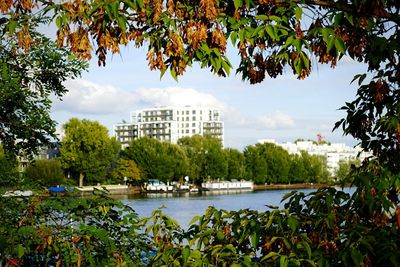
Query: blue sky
[[283, 109]]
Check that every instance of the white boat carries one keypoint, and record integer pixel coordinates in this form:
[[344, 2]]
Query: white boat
[[154, 185], [227, 185], [18, 193]]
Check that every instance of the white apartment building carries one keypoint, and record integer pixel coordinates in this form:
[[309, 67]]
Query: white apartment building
[[333, 152], [170, 124]]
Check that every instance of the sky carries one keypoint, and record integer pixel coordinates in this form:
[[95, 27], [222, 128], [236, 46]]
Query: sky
[[283, 109]]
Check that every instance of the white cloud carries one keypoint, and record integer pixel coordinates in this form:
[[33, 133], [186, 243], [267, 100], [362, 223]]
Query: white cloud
[[276, 120], [273, 121], [176, 96], [85, 97]]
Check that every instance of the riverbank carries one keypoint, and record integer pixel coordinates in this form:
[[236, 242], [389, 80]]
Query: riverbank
[[133, 190], [110, 189], [288, 186]]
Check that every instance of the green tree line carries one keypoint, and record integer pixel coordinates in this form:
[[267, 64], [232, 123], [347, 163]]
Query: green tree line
[[89, 156]]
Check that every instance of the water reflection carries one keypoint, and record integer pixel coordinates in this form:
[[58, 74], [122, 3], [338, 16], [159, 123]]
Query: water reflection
[[184, 206]]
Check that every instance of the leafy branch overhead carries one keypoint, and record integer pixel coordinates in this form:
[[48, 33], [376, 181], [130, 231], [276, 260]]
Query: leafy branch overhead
[[269, 35]]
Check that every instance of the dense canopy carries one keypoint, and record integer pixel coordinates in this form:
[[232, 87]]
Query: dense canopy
[[325, 228]]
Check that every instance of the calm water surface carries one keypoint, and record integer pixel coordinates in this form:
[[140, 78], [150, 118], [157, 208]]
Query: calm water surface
[[183, 207]]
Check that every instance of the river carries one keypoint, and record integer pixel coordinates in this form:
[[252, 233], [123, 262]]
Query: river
[[183, 207]]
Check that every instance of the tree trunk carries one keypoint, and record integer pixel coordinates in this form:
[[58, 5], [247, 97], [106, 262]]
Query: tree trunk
[[81, 179]]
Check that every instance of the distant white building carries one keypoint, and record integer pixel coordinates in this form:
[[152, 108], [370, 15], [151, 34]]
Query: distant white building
[[333, 152], [170, 124]]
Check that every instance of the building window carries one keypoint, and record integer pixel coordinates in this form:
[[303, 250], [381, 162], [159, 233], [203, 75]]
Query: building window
[[193, 131], [187, 112], [193, 111], [187, 118], [187, 131], [193, 118], [187, 125], [193, 124]]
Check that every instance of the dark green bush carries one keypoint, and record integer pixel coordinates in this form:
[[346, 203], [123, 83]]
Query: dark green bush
[[45, 173]]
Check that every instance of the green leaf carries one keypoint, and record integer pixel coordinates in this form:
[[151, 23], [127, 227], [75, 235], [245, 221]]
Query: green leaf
[[140, 3], [238, 3], [162, 72], [122, 22], [307, 247], [254, 239], [19, 251], [326, 34], [270, 220], [234, 37], [349, 18], [114, 9], [306, 61], [356, 256], [173, 73], [226, 66], [262, 17], [340, 45], [330, 44], [293, 223], [361, 79], [185, 254], [220, 236], [338, 17], [11, 26], [271, 255], [194, 219], [109, 12], [298, 12], [297, 44], [283, 262], [298, 66], [275, 18], [271, 31]]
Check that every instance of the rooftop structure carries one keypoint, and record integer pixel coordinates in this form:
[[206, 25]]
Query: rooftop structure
[[170, 124]]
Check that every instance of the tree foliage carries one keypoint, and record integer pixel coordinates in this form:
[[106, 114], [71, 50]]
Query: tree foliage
[[87, 149], [8, 168], [45, 173], [157, 160], [269, 163], [70, 231], [236, 164], [345, 168], [126, 169], [206, 157], [29, 76]]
